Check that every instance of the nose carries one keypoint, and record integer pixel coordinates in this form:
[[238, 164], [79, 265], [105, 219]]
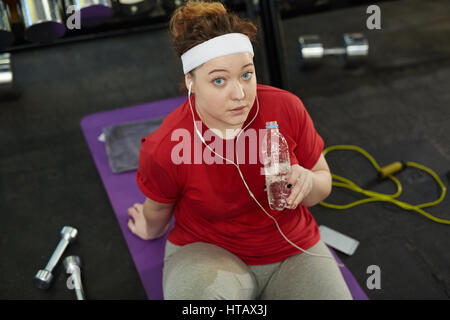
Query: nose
[[238, 91]]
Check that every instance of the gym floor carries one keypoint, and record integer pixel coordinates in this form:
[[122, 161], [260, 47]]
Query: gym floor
[[396, 105]]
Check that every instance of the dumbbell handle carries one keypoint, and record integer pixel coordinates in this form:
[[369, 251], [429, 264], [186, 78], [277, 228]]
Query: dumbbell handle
[[79, 292], [334, 51], [62, 245]]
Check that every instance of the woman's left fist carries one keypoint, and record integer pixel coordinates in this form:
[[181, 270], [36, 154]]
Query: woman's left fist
[[301, 182]]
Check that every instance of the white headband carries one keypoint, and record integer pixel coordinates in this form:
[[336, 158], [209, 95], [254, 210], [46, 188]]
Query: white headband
[[216, 47]]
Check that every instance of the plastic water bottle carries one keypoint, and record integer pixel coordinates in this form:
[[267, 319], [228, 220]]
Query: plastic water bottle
[[277, 165]]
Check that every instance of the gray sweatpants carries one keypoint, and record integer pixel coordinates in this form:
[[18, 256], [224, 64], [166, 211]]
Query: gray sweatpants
[[203, 271]]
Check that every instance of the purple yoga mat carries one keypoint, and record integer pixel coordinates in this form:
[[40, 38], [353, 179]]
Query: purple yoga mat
[[123, 192]]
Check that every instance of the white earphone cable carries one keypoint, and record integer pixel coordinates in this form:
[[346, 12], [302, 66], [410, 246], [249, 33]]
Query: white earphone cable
[[245, 183]]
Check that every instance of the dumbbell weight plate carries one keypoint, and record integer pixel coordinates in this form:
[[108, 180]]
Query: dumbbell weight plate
[[6, 74], [42, 20], [9, 90], [356, 47], [310, 51], [6, 34], [92, 12], [43, 279], [136, 7]]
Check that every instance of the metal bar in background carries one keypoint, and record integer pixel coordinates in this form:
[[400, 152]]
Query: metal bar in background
[[90, 36], [270, 18]]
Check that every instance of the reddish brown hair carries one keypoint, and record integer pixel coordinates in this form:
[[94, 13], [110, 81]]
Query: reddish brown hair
[[198, 21]]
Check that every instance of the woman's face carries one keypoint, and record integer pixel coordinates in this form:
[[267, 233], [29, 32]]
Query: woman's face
[[221, 85]]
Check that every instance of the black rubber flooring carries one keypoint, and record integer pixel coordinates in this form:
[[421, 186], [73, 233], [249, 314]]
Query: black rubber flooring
[[395, 106]]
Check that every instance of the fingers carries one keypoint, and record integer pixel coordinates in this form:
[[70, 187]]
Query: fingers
[[299, 182], [301, 189], [298, 199], [133, 214], [294, 174], [293, 185], [135, 209], [295, 190], [136, 222], [132, 226]]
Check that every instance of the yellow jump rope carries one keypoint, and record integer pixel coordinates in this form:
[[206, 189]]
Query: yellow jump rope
[[383, 173]]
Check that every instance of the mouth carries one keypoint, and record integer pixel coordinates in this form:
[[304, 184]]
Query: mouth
[[238, 108]]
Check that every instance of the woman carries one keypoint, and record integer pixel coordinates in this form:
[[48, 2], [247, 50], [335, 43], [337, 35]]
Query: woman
[[223, 245]]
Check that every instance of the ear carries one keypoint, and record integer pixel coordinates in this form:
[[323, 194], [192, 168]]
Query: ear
[[188, 79]]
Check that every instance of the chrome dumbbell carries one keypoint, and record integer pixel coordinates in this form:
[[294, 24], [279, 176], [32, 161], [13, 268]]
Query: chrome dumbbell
[[6, 74], [43, 278], [72, 264], [42, 20], [136, 7], [354, 51], [6, 32], [92, 12]]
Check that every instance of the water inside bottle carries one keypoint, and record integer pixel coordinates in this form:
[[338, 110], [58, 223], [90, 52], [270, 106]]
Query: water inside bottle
[[277, 166], [277, 190]]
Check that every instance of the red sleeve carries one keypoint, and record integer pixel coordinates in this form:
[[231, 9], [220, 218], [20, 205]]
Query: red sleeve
[[156, 177], [309, 143]]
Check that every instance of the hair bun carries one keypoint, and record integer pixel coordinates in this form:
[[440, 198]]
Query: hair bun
[[183, 16]]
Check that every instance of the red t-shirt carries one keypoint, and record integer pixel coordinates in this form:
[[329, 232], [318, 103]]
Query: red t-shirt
[[212, 203]]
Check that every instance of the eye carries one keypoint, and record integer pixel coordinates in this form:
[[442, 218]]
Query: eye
[[247, 75], [218, 81]]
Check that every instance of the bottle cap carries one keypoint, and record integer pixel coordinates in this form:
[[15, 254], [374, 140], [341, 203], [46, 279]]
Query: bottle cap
[[271, 125]]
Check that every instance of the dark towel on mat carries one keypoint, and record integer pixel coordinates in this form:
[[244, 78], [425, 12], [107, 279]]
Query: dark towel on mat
[[123, 141]]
